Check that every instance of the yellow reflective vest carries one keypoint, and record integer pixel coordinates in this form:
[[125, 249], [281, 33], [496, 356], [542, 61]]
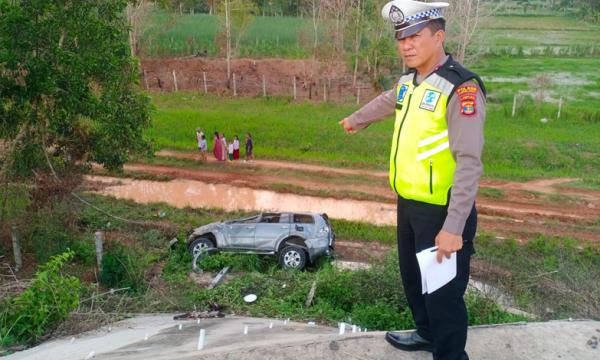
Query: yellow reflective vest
[[421, 163]]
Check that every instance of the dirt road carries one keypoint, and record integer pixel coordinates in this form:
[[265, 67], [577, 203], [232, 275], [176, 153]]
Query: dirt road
[[520, 210]]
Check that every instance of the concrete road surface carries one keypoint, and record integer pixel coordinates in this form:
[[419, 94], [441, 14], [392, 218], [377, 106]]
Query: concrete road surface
[[159, 337]]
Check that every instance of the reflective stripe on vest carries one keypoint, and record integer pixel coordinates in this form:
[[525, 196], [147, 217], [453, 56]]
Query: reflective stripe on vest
[[421, 164]]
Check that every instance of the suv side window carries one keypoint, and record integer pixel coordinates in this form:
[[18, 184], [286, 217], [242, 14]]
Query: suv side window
[[303, 219], [251, 220], [285, 218], [270, 218]]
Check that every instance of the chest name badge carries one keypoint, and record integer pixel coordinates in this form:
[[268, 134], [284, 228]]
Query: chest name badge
[[430, 100]]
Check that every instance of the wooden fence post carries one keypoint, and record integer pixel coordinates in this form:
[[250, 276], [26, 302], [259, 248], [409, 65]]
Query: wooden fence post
[[294, 81], [175, 81], [234, 86]]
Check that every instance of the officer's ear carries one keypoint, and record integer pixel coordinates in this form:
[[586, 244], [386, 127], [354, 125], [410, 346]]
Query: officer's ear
[[440, 36]]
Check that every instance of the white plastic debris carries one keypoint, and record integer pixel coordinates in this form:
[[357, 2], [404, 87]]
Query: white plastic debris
[[72, 339], [250, 298], [245, 329], [90, 355], [146, 337], [270, 324], [311, 323], [180, 326]]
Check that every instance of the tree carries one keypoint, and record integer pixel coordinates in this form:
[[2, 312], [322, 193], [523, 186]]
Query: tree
[[136, 11], [464, 18], [69, 92], [236, 16]]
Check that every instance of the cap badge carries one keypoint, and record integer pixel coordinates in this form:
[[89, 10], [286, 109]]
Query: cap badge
[[396, 15]]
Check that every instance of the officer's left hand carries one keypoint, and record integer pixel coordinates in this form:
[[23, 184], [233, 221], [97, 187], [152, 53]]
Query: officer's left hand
[[447, 243]]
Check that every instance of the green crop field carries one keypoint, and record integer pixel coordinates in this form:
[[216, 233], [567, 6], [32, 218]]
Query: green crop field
[[168, 34], [172, 34], [521, 147]]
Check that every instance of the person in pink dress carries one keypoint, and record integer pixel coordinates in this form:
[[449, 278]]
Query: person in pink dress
[[218, 147]]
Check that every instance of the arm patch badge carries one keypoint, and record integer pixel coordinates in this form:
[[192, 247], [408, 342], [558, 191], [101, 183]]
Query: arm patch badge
[[467, 95]]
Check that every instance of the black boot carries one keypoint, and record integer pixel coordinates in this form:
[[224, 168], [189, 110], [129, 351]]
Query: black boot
[[409, 341]]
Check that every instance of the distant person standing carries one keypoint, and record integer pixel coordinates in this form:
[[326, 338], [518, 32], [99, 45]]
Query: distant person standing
[[199, 135], [218, 147], [249, 147], [203, 146], [230, 151], [223, 147], [236, 148]]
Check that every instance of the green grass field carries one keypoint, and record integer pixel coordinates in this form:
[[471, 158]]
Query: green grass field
[[518, 148]]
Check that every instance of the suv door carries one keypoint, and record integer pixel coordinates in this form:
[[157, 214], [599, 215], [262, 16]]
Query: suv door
[[303, 225], [240, 234], [271, 228]]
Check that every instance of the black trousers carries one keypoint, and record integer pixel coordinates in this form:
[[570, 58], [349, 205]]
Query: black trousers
[[440, 317]]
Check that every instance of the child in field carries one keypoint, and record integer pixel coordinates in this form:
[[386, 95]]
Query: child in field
[[199, 134], [203, 146], [230, 151], [249, 147], [236, 148]]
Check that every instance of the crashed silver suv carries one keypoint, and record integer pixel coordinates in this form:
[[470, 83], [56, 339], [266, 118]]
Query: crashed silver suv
[[295, 238]]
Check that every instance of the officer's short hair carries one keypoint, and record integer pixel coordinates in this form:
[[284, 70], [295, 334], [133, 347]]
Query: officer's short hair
[[437, 24]]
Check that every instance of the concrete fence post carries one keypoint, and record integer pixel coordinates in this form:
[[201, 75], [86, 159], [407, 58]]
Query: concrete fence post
[[16, 242], [514, 108], [146, 80], [358, 94], [99, 238], [264, 84], [205, 87], [560, 103]]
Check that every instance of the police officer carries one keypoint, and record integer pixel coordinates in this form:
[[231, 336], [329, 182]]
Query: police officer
[[435, 166]]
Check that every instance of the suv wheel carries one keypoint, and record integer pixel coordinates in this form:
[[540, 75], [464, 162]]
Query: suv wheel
[[200, 244], [292, 257]]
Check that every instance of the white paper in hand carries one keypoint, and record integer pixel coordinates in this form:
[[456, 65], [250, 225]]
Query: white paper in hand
[[433, 274]]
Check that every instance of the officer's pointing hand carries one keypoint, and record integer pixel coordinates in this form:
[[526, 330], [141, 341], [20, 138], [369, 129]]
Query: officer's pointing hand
[[347, 127], [447, 243]]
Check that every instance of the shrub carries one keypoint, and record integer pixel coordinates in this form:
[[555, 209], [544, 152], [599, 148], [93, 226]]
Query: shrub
[[47, 301], [124, 266]]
